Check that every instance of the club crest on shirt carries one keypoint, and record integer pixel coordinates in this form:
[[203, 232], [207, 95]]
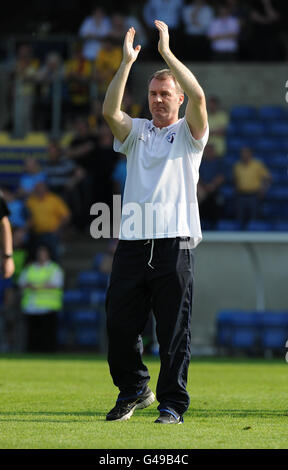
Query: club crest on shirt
[[170, 137]]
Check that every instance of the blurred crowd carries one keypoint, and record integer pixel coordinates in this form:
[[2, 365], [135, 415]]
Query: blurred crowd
[[54, 195], [200, 31]]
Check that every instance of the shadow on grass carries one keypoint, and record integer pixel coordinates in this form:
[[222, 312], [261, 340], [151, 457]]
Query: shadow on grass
[[94, 356], [45, 416]]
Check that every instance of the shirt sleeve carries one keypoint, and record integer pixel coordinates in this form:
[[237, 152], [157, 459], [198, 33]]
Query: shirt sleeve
[[85, 28], [126, 146], [198, 144], [57, 279]]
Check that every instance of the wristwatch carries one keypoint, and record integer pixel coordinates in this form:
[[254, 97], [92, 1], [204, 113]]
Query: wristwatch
[[6, 256]]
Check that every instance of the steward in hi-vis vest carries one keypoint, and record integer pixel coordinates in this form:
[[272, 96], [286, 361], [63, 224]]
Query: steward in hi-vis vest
[[42, 293]]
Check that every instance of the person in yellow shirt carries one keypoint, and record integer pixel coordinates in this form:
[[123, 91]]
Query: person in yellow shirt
[[252, 180], [218, 123], [78, 72], [48, 215], [107, 63]]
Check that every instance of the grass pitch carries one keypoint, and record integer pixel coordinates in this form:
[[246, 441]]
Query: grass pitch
[[60, 402]]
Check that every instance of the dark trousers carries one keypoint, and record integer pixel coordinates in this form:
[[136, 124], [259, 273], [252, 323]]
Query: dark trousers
[[247, 208], [134, 289], [41, 332]]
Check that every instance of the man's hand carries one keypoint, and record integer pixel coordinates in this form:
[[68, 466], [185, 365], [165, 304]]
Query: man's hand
[[163, 44], [129, 53]]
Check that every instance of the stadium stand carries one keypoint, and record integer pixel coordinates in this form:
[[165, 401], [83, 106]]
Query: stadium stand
[[251, 331]]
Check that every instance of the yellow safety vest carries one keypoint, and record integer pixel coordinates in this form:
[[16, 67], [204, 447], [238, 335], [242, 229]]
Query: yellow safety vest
[[44, 299]]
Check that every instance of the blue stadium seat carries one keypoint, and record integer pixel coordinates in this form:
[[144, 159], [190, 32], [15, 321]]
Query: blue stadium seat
[[97, 260], [232, 129], [87, 337], [85, 316], [228, 225], [97, 296], [277, 160], [278, 193], [75, 296], [274, 329], [235, 144], [274, 319], [237, 328], [92, 278], [227, 191], [267, 144], [279, 176], [259, 226], [62, 336], [243, 112], [274, 339], [230, 158], [244, 338], [224, 328], [281, 225], [279, 128], [251, 128], [271, 112]]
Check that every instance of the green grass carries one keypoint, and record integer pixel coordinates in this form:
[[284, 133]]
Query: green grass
[[60, 403]]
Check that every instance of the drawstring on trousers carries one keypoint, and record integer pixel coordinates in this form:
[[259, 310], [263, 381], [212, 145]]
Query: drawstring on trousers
[[151, 252]]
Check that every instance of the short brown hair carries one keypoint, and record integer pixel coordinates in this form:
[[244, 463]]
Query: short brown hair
[[163, 75]]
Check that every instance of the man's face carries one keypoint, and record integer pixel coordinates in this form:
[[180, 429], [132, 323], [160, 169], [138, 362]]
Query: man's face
[[246, 155], [164, 100]]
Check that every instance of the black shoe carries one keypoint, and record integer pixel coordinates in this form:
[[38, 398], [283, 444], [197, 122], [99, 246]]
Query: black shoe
[[169, 417], [124, 409]]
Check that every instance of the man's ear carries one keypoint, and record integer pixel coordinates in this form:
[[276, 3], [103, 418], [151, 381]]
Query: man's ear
[[181, 99]]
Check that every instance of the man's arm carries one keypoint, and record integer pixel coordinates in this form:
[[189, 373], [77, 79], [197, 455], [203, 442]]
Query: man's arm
[[7, 248], [196, 113], [119, 122]]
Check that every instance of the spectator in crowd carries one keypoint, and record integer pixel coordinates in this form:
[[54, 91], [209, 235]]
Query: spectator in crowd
[[20, 252], [130, 105], [60, 171], [13, 321], [7, 263], [103, 166], [83, 150], [67, 180], [6, 301], [252, 180], [107, 63], [49, 214], [132, 20], [218, 123], [18, 212], [168, 11], [211, 177], [118, 28], [78, 71], [50, 76], [265, 42], [23, 76], [119, 175], [83, 144], [92, 31], [223, 33], [32, 175], [197, 17], [95, 116], [41, 283]]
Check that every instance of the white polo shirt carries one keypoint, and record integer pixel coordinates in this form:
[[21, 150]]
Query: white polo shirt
[[160, 195]]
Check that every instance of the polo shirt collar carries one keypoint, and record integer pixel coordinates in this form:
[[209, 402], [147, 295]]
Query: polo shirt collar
[[151, 126]]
